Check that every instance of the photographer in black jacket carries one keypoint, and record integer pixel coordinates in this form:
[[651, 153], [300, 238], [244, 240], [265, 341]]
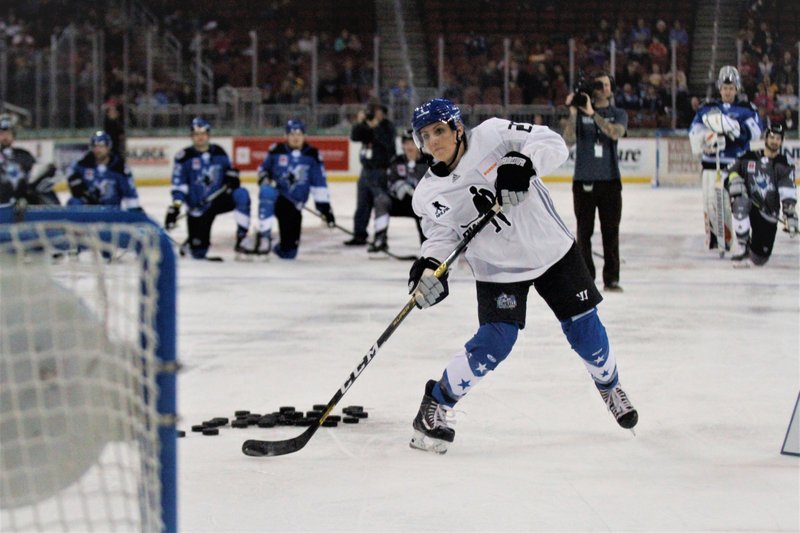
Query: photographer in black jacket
[[377, 135], [594, 126]]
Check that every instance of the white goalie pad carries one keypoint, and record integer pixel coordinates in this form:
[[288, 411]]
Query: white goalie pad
[[717, 215]]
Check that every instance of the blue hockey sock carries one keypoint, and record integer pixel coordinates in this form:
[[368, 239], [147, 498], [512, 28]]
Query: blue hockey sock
[[482, 353], [587, 336]]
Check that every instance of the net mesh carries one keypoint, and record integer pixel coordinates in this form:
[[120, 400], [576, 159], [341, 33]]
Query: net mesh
[[79, 442]]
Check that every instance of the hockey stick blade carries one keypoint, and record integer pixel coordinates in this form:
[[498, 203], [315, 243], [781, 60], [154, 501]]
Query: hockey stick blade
[[265, 448]]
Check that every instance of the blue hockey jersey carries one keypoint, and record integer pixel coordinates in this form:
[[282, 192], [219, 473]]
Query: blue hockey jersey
[[197, 175], [112, 184], [750, 128], [296, 173]]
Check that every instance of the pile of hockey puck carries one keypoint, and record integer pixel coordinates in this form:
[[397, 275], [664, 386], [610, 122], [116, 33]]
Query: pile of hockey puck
[[284, 416]]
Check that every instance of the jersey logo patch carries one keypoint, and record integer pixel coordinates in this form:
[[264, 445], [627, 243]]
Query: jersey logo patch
[[751, 166], [583, 295], [283, 160], [89, 174], [439, 209], [455, 177], [196, 164], [505, 301]]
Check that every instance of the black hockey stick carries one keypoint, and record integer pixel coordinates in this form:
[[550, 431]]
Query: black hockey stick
[[337, 226], [265, 448]]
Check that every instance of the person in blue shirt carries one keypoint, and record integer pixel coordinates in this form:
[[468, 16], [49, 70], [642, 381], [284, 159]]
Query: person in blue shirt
[[720, 132], [291, 172], [101, 177], [203, 180]]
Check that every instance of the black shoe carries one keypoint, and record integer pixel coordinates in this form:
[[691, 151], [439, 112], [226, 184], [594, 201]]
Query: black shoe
[[380, 244], [356, 241], [431, 432], [614, 286]]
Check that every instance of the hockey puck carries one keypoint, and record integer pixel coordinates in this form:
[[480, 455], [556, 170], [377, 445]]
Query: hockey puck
[[220, 420], [305, 421], [330, 424], [267, 422], [215, 422], [350, 420], [211, 431], [285, 421], [286, 409], [319, 406], [335, 418], [198, 428], [360, 414], [241, 413], [240, 423], [350, 409], [181, 433], [313, 414]]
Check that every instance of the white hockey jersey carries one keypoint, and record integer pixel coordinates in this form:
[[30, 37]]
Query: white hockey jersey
[[520, 244]]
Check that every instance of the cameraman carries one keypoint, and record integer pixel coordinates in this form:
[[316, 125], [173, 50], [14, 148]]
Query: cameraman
[[596, 126], [377, 135]]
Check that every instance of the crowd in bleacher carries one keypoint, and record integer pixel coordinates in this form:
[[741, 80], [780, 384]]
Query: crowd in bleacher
[[474, 61]]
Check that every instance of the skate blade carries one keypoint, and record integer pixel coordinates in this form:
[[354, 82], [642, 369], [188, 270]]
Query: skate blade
[[421, 442]]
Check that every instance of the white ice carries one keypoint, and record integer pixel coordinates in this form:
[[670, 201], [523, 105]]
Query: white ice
[[707, 353]]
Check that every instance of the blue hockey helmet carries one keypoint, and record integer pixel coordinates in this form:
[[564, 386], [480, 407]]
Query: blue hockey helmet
[[436, 110], [200, 124], [295, 124], [100, 137]]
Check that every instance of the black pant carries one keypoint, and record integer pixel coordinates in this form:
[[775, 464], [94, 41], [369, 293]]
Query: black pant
[[371, 184], [200, 227], [290, 220], [402, 208], [606, 198]]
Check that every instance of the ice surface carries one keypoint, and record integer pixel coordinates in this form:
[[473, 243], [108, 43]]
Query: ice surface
[[708, 354]]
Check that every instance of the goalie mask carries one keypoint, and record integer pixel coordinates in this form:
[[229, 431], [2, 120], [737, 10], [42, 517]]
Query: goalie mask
[[729, 74]]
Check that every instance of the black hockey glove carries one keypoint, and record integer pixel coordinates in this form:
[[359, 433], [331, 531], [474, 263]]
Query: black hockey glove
[[429, 289], [232, 180], [514, 178], [171, 220], [327, 214], [78, 189]]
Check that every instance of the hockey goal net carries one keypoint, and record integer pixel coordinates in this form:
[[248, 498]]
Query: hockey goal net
[[87, 373]]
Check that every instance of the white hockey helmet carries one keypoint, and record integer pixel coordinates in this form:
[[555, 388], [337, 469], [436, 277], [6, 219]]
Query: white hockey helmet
[[729, 74]]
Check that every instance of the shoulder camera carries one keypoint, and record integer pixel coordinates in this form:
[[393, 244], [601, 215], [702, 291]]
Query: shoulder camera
[[584, 91]]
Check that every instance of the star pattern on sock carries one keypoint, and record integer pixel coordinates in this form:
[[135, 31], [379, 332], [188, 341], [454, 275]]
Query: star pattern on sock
[[481, 368], [464, 384]]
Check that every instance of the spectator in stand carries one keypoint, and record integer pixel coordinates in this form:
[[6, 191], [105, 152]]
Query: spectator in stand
[[661, 32], [652, 101], [764, 101], [789, 119], [786, 70], [475, 45], [628, 98], [787, 98], [656, 78], [639, 53], [677, 33], [640, 32], [658, 51], [766, 68], [631, 74]]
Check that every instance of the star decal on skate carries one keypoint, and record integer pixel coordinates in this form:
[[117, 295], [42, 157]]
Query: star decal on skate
[[464, 384], [481, 368], [600, 359], [605, 373]]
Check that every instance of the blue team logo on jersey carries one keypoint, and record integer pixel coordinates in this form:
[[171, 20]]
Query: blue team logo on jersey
[[283, 160], [506, 301]]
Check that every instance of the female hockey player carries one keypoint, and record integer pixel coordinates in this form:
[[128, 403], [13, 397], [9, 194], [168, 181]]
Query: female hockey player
[[529, 245]]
